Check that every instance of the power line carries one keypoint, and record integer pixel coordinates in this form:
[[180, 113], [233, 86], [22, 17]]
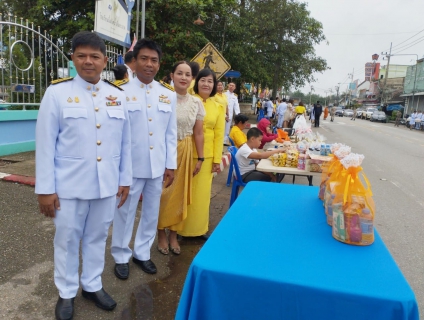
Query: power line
[[410, 46], [405, 40], [411, 43]]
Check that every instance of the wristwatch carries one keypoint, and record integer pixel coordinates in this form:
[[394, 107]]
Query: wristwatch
[[201, 159]]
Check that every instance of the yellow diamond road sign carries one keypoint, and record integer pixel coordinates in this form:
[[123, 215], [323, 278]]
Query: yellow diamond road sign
[[210, 58]]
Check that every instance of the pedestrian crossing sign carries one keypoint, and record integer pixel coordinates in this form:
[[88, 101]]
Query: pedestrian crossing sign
[[210, 58]]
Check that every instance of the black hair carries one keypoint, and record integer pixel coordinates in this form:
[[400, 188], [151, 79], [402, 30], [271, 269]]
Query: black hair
[[175, 66], [205, 73], [88, 39], [194, 68], [301, 104], [149, 44], [129, 56], [240, 118], [284, 100], [119, 70], [317, 101], [254, 132]]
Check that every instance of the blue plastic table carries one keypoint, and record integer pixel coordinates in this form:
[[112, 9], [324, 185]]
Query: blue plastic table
[[273, 257]]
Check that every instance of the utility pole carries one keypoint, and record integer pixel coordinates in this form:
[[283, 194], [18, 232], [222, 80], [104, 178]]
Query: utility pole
[[138, 19], [143, 18], [337, 89], [387, 74], [349, 100], [310, 95]]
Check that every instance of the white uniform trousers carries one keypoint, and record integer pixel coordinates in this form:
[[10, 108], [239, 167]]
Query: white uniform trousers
[[280, 120], [87, 221], [228, 125], [123, 222]]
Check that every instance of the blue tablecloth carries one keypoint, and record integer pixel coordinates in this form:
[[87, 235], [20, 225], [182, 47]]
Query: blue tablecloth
[[273, 257]]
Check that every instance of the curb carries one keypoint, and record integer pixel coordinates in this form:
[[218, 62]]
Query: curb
[[29, 181]]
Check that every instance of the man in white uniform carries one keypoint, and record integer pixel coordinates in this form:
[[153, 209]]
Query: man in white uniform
[[83, 163], [130, 64], [281, 110], [151, 108], [233, 108]]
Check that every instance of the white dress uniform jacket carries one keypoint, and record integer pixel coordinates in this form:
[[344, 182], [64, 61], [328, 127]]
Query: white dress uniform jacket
[[153, 128], [233, 105], [82, 141]]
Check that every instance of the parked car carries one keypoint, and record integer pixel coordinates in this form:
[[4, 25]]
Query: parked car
[[359, 112], [368, 112], [378, 116], [348, 113], [339, 112]]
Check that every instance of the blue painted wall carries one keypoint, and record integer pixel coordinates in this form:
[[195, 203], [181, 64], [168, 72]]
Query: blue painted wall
[[17, 131]]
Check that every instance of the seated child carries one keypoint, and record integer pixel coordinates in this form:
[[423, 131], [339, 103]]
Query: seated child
[[247, 157]]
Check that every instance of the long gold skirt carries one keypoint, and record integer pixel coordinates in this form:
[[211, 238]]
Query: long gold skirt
[[197, 221], [176, 198]]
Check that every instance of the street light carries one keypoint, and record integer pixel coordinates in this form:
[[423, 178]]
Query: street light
[[310, 94]]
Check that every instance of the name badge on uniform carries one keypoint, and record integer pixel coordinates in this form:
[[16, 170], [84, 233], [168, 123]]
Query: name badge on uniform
[[164, 99]]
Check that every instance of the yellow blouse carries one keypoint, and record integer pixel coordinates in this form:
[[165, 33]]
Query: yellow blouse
[[300, 109], [213, 130], [190, 88], [238, 136], [222, 100]]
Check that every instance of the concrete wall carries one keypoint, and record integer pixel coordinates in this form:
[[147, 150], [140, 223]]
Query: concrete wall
[[17, 131]]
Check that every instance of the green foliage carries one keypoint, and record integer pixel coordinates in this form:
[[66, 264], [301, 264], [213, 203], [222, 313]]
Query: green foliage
[[271, 42]]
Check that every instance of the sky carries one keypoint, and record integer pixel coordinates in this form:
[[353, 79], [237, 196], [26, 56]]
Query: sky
[[356, 29]]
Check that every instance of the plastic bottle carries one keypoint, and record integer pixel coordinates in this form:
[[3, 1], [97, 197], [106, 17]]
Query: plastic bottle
[[367, 226], [354, 231], [322, 150]]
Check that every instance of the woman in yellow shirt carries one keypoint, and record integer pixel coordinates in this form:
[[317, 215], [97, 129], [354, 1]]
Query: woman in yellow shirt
[[236, 134], [300, 109], [197, 222], [221, 98]]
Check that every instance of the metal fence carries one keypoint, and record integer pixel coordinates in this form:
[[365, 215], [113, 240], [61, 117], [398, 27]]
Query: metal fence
[[30, 59]]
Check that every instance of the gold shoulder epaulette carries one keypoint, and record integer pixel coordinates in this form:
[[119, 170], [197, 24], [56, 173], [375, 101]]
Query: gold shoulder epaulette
[[235, 94], [61, 80], [120, 82], [167, 86], [113, 85]]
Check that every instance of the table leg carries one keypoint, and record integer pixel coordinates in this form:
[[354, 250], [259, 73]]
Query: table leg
[[280, 177], [310, 180], [294, 177]]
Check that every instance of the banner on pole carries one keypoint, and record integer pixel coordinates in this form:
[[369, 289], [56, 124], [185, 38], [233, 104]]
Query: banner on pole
[[111, 21]]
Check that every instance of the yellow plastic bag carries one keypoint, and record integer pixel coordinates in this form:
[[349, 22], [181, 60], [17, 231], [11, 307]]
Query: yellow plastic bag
[[353, 208]]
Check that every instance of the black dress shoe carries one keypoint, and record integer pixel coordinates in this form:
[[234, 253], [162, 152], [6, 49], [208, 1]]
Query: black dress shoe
[[64, 309], [147, 266], [101, 299], [122, 270]]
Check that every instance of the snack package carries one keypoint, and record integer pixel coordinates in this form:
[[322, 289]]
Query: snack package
[[352, 205], [292, 158], [278, 159]]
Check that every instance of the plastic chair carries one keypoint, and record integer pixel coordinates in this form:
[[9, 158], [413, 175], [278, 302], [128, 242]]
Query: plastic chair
[[237, 181], [230, 170]]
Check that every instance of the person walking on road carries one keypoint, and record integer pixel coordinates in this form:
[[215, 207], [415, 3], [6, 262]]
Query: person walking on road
[[354, 115], [332, 113], [325, 113], [83, 163], [153, 119], [317, 113], [412, 120], [281, 110], [398, 117]]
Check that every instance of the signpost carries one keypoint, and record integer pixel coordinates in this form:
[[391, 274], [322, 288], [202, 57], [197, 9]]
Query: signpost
[[210, 58], [111, 21]]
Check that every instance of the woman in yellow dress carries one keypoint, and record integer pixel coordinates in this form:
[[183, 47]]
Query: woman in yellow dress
[[197, 221], [176, 198], [221, 98]]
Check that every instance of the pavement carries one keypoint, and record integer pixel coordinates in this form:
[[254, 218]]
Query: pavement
[[393, 157]]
